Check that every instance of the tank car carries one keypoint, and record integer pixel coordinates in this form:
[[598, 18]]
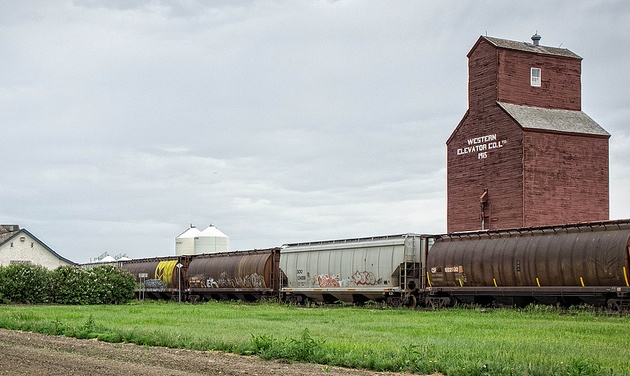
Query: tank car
[[385, 268], [243, 275], [566, 264]]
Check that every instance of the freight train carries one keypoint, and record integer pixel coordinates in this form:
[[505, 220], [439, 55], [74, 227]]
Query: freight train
[[584, 263]]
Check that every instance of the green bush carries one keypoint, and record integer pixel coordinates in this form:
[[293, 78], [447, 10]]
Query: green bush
[[65, 285], [70, 286], [114, 285], [25, 284], [2, 297], [101, 285]]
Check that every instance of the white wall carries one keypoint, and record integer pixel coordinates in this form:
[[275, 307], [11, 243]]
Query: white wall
[[24, 248]]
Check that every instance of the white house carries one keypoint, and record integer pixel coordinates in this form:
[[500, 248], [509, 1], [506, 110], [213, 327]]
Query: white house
[[20, 246]]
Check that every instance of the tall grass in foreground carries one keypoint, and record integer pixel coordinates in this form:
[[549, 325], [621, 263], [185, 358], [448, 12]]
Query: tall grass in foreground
[[532, 341]]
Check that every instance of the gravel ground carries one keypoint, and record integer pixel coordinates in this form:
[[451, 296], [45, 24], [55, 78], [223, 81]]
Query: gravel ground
[[24, 353]]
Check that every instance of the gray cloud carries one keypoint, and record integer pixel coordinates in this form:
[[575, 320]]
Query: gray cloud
[[276, 121]]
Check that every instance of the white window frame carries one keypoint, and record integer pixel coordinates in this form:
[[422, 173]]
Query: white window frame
[[535, 77]]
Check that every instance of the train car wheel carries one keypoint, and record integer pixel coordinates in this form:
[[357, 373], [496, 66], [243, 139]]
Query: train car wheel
[[619, 305], [412, 302]]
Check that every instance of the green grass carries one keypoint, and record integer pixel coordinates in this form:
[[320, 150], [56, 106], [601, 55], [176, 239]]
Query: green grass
[[533, 341]]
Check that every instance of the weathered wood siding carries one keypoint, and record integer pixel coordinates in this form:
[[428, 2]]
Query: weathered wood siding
[[560, 80], [566, 178], [496, 166]]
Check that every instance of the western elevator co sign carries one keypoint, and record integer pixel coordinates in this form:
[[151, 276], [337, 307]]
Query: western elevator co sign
[[481, 145]]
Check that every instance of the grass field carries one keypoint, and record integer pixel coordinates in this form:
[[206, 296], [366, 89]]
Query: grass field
[[533, 341]]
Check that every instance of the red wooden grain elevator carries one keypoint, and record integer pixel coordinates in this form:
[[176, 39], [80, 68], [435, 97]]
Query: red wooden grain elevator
[[525, 154]]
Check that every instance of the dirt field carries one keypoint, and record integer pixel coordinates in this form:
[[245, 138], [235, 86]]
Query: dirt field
[[23, 353]]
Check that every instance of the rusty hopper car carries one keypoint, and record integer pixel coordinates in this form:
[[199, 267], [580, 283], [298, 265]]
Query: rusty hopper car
[[568, 264], [386, 268], [244, 275], [158, 278]]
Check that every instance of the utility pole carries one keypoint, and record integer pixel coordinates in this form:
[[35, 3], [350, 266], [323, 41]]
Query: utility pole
[[179, 283]]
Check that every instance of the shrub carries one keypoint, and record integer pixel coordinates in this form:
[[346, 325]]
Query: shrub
[[20, 283], [25, 284], [2, 297], [113, 285], [70, 286], [101, 285]]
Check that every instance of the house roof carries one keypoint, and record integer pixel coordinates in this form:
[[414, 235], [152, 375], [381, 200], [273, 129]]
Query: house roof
[[545, 119], [528, 47], [6, 237]]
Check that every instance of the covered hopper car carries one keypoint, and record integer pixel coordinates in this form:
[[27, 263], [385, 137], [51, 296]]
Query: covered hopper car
[[384, 268], [243, 275], [567, 264]]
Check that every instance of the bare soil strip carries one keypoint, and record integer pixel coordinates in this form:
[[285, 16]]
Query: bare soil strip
[[24, 353]]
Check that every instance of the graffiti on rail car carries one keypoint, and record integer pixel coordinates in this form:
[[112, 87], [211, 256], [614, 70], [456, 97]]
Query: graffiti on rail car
[[154, 285], [226, 281], [366, 278], [359, 278], [326, 280]]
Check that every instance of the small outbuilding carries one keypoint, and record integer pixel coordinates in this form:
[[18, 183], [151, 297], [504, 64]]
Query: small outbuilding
[[19, 246]]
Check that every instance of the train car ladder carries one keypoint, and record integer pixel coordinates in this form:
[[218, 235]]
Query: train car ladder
[[409, 276], [409, 273]]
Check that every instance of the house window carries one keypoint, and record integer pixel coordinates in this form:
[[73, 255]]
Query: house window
[[535, 77]]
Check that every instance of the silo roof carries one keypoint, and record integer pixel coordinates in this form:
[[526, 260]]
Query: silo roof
[[546, 119], [190, 233], [530, 47], [212, 231]]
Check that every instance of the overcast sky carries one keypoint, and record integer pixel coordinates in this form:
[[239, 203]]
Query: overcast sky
[[123, 122]]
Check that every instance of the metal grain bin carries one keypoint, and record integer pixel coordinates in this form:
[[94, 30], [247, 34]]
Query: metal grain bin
[[594, 254], [246, 275], [185, 242], [211, 240], [353, 270]]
